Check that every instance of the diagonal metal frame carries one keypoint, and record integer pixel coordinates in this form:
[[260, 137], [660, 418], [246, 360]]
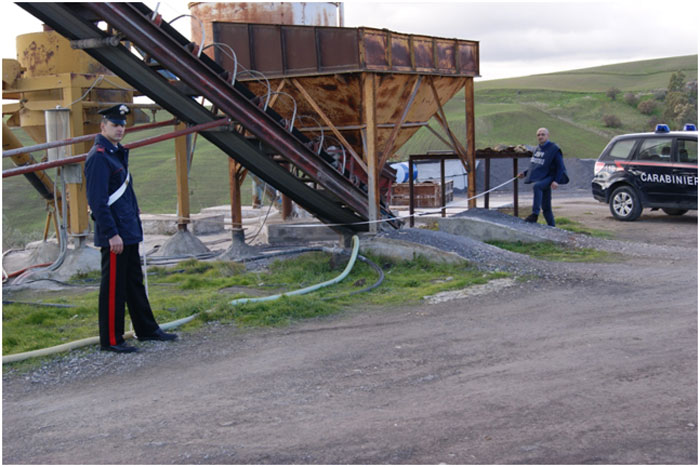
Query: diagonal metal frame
[[65, 19], [197, 75]]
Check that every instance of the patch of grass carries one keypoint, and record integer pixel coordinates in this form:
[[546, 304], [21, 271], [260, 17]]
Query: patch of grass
[[194, 287], [410, 281], [565, 223], [577, 227], [554, 252]]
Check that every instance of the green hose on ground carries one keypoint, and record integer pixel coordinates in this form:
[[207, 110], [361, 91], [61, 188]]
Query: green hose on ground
[[312, 288], [173, 324]]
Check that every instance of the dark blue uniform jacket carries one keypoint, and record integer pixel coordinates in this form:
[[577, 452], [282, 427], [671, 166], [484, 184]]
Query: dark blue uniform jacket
[[547, 161], [105, 171]]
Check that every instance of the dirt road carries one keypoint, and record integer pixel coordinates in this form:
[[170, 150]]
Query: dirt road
[[598, 367]]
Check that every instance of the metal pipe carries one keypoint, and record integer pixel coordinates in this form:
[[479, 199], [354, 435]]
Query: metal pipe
[[136, 144], [79, 139]]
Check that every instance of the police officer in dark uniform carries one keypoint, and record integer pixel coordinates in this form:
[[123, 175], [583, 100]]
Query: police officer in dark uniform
[[118, 232]]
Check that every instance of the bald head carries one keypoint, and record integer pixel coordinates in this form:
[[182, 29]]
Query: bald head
[[542, 135]]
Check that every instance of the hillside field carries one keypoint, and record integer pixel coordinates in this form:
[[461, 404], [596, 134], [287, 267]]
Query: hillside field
[[508, 111]]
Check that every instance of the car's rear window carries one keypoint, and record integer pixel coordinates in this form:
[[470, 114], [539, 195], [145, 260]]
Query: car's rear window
[[621, 149], [688, 150], [655, 149]]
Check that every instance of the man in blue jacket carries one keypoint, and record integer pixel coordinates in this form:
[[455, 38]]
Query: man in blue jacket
[[118, 232], [547, 172]]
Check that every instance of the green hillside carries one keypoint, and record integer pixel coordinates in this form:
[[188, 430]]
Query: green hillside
[[570, 104], [508, 111], [643, 75]]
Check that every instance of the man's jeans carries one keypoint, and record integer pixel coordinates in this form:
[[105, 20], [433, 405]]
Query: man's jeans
[[542, 198]]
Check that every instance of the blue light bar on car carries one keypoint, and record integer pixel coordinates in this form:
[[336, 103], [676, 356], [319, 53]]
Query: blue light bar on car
[[661, 128], [689, 127]]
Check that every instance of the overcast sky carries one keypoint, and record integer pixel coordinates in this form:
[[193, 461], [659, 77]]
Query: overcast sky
[[516, 38]]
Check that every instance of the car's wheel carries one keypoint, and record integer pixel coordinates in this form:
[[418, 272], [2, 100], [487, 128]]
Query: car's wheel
[[674, 211], [625, 204]]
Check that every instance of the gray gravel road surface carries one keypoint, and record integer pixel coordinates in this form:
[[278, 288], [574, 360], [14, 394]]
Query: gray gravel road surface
[[588, 364]]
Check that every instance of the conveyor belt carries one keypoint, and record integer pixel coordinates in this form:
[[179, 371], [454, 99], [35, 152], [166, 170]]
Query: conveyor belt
[[336, 201]]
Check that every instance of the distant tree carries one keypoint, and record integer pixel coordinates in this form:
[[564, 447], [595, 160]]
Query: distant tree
[[686, 113], [631, 99], [681, 103], [611, 121], [612, 93], [647, 107], [677, 82]]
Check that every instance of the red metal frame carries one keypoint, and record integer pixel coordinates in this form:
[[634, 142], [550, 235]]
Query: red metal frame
[[136, 144], [80, 139]]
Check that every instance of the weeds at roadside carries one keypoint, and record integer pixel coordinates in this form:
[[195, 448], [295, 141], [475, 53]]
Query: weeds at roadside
[[195, 287], [576, 227], [550, 251]]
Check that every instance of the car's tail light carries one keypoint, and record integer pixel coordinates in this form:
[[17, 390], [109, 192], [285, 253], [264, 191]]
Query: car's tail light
[[606, 167]]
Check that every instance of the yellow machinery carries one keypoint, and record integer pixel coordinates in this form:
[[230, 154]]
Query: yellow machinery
[[48, 74]]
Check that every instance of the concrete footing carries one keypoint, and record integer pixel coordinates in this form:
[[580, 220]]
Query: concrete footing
[[82, 259], [182, 243], [238, 248], [43, 252]]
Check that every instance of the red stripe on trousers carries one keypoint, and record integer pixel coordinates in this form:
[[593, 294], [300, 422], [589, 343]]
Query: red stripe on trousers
[[112, 293]]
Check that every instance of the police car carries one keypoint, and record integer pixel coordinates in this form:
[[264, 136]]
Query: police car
[[656, 170]]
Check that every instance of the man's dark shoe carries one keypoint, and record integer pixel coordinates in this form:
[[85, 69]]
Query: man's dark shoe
[[120, 348], [158, 335], [532, 218]]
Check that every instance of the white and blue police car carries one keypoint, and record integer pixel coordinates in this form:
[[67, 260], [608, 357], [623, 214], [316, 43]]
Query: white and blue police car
[[656, 170]]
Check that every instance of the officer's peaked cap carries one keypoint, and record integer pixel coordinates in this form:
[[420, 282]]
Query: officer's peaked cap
[[116, 114]]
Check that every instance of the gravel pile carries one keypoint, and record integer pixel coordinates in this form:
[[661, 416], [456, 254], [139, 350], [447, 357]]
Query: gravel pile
[[481, 255]]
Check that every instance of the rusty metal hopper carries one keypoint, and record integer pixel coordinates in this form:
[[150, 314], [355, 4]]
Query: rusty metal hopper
[[323, 68]]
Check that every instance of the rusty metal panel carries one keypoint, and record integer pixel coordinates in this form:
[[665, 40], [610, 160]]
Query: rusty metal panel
[[266, 48], [468, 58], [375, 45], [445, 52], [280, 50], [300, 53], [423, 53], [338, 48], [236, 36], [401, 53]]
